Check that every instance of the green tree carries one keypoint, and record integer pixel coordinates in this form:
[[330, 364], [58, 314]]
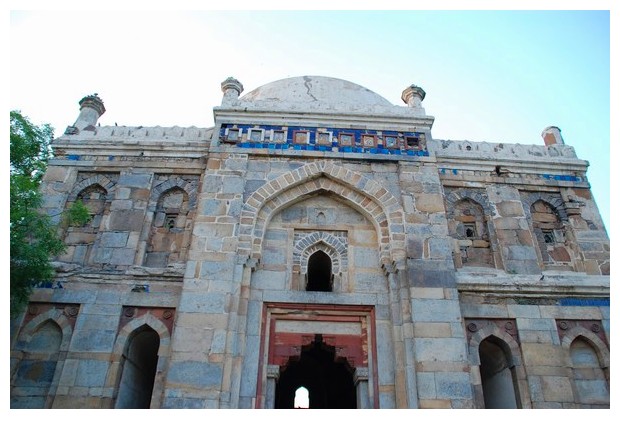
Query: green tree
[[34, 238]]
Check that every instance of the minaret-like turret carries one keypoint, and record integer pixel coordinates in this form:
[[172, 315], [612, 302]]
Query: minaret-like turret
[[413, 96], [552, 136], [91, 109], [231, 88]]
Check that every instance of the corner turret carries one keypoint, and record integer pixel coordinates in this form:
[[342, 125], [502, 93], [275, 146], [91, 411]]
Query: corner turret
[[91, 109]]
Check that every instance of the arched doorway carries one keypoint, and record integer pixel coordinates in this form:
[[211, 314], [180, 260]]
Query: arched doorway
[[496, 371], [139, 367], [329, 382]]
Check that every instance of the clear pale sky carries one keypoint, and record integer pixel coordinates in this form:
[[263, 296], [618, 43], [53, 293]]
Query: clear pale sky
[[495, 76]]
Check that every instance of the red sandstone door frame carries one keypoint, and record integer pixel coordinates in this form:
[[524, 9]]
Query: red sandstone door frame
[[287, 327]]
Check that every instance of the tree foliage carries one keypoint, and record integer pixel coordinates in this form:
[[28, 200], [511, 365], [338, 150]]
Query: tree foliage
[[77, 214], [34, 238]]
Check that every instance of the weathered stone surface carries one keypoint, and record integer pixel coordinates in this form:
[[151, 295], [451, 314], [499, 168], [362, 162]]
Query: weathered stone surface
[[202, 375], [193, 253]]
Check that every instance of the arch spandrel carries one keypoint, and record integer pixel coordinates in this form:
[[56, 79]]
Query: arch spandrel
[[356, 190]]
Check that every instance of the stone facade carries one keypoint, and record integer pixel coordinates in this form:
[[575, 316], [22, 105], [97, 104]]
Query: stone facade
[[316, 236]]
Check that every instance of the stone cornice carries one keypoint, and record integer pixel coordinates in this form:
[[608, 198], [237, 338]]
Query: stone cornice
[[131, 147], [402, 122], [547, 284]]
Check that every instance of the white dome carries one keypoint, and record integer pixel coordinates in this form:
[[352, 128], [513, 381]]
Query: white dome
[[315, 91]]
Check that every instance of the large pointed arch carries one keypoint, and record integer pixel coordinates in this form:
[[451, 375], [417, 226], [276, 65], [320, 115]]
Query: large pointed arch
[[358, 191]]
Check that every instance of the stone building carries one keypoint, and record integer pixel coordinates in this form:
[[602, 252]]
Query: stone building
[[316, 236]]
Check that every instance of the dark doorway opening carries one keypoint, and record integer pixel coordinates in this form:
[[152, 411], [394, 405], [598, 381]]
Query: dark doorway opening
[[497, 373], [139, 366], [319, 272], [329, 381]]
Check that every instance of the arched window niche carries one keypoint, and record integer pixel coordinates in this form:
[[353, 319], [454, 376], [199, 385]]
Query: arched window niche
[[591, 385], [81, 239], [468, 226], [169, 234], [319, 277], [37, 368], [550, 234]]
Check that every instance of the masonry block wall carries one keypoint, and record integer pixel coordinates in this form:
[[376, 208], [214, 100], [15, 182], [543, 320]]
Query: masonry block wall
[[105, 289], [316, 219]]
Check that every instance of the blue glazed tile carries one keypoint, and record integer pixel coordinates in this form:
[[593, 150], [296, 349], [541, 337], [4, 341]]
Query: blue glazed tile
[[602, 302]]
